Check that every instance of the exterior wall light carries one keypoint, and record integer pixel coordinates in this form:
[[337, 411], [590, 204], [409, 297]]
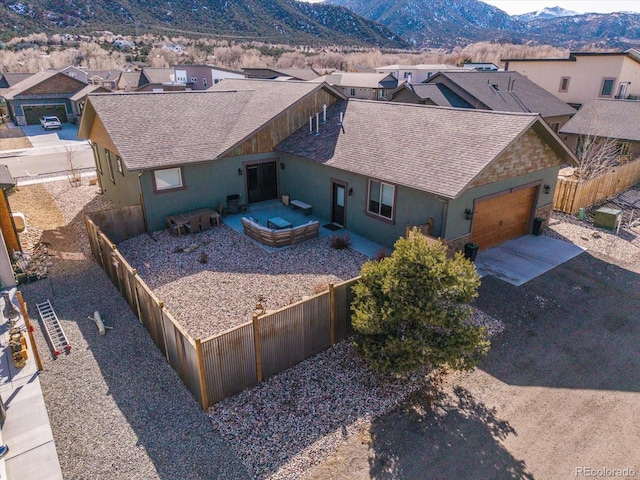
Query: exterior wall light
[[468, 214]]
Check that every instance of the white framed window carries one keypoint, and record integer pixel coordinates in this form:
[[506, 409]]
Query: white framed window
[[564, 84], [119, 164], [352, 92], [606, 89], [381, 199], [96, 154], [167, 179]]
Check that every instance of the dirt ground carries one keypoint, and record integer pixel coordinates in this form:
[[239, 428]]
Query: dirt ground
[[559, 391], [13, 138]]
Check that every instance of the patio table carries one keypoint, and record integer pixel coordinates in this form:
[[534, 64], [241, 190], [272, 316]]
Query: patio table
[[278, 223], [182, 219]]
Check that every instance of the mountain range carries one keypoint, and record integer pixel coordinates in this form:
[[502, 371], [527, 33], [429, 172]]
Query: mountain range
[[274, 21], [443, 23], [378, 23]]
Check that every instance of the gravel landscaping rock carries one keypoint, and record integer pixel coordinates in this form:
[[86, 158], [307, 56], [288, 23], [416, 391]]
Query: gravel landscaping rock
[[209, 298], [117, 409]]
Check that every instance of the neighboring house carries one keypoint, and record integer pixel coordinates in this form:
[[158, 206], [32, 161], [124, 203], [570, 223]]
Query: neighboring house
[[418, 73], [427, 94], [584, 75], [9, 241], [505, 92], [263, 73], [128, 81], [223, 143], [149, 80], [8, 80], [366, 86], [201, 77], [607, 119], [482, 66], [79, 99], [481, 176], [106, 79], [44, 93]]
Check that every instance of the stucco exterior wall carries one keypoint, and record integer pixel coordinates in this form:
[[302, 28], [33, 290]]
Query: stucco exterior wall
[[585, 75], [312, 183]]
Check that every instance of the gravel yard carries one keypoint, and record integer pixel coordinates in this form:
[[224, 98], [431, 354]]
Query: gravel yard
[[209, 298], [117, 408]]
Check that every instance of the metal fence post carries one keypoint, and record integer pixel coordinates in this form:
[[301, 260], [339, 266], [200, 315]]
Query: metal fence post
[[332, 315], [204, 401]]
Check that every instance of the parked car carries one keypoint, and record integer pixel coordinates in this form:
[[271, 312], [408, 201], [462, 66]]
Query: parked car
[[49, 123]]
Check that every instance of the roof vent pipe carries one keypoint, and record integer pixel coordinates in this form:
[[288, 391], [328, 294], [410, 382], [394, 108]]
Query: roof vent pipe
[[318, 123], [310, 124], [324, 113]]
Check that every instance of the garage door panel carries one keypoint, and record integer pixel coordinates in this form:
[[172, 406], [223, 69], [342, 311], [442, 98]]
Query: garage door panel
[[33, 113], [502, 217]]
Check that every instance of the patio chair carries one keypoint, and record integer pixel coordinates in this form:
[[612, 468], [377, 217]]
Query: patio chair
[[173, 228], [205, 221], [194, 224]]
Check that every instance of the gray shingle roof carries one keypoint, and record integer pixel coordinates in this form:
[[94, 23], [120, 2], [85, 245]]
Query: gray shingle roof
[[154, 130], [34, 80], [433, 149], [8, 80], [157, 75], [359, 80], [526, 96], [439, 94], [609, 118]]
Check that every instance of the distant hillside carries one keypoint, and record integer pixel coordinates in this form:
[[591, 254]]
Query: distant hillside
[[439, 23], [443, 23], [281, 21]]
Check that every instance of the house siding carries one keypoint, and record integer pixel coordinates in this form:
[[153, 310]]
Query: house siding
[[291, 120], [124, 191], [205, 184], [458, 226], [312, 183], [527, 154]]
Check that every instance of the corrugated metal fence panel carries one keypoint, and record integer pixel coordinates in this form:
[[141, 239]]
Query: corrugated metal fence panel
[[120, 224], [343, 297], [92, 230], [192, 367], [150, 313], [292, 334], [175, 347], [229, 363]]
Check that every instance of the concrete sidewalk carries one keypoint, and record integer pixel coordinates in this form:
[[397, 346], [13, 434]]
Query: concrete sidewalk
[[26, 430]]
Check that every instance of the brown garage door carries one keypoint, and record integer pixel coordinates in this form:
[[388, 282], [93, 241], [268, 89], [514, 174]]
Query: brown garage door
[[502, 217], [33, 113]]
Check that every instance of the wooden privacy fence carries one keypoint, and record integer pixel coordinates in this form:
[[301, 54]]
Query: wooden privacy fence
[[572, 195], [224, 364]]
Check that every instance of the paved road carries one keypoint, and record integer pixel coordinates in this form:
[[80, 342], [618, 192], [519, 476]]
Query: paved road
[[35, 164], [50, 153]]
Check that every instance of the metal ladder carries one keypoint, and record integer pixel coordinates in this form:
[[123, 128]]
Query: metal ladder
[[53, 328]]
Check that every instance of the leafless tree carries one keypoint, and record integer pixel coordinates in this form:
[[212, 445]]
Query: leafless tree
[[74, 176], [596, 155]]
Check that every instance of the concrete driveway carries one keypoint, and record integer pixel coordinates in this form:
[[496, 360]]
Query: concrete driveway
[[519, 260], [39, 137], [557, 397]]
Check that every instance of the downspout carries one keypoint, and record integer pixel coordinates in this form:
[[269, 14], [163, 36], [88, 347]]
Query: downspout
[[141, 199], [445, 208]]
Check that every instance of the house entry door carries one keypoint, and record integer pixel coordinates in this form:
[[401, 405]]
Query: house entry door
[[338, 207], [262, 182]]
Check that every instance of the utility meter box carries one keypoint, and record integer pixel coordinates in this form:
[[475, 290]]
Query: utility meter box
[[607, 218]]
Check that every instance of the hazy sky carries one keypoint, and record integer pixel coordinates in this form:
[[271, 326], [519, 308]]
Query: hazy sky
[[513, 7]]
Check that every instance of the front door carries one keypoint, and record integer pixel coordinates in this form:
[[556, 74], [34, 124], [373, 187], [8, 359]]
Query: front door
[[337, 210], [262, 182]]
